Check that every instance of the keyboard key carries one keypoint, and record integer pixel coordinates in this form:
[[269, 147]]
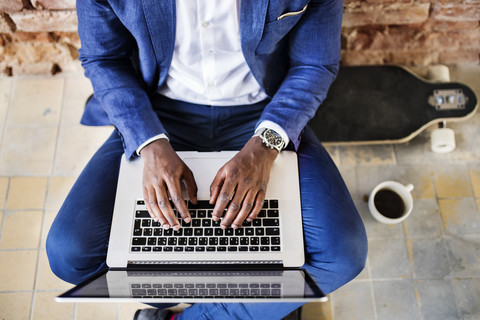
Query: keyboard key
[[203, 241], [208, 232], [246, 223], [202, 214], [222, 249], [229, 232], [196, 222], [234, 241], [178, 233], [213, 241], [189, 249], [275, 248], [139, 241], [162, 241], [249, 231], [218, 232], [271, 222], [257, 223], [178, 249], [182, 241], [259, 231], [147, 232], [239, 232], [137, 232], [262, 214], [276, 240], [188, 232], [157, 232], [141, 202], [192, 241], [168, 232], [216, 223], [157, 249], [172, 241], [138, 223], [146, 249], [211, 249], [152, 241], [244, 241], [265, 203], [223, 241], [264, 248], [200, 249], [146, 223], [254, 241], [272, 231], [242, 248], [156, 224], [168, 249], [206, 223], [135, 249], [253, 248], [198, 232], [273, 213], [265, 241], [232, 249], [142, 214]]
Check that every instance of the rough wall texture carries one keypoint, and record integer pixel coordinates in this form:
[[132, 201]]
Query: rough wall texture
[[39, 36]]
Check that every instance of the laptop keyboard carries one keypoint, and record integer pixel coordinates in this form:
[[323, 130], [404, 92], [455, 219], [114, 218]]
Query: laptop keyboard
[[202, 234], [206, 290]]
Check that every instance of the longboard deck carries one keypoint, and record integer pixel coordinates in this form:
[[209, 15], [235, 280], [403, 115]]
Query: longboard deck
[[383, 104]]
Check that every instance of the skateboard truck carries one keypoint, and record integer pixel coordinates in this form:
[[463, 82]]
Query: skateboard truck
[[448, 99]]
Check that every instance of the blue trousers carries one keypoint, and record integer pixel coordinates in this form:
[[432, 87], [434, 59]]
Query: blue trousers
[[334, 235]]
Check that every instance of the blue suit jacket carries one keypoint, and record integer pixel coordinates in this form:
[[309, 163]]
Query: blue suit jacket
[[127, 48]]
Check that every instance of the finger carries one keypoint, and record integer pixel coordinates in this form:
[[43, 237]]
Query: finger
[[166, 208], [223, 199], [151, 204], [191, 186], [176, 196], [258, 206], [234, 207], [247, 206], [216, 186]]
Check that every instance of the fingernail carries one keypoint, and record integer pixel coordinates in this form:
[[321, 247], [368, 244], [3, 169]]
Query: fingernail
[[223, 226], [215, 218], [187, 219], [176, 227], [234, 226], [166, 226], [249, 220]]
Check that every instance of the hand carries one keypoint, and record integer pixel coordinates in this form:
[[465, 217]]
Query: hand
[[163, 173], [243, 182]]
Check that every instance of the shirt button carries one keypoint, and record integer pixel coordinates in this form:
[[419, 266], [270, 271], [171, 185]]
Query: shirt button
[[205, 24]]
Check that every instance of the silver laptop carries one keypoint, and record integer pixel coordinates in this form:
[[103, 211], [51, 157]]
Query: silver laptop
[[201, 262]]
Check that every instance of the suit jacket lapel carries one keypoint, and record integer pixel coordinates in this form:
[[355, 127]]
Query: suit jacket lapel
[[160, 18], [252, 21]]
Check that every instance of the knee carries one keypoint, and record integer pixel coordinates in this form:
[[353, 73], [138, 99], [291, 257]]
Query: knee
[[68, 255]]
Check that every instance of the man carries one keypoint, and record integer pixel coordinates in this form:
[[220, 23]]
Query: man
[[210, 75]]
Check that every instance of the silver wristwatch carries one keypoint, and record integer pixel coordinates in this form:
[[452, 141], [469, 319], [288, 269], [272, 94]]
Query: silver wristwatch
[[272, 139]]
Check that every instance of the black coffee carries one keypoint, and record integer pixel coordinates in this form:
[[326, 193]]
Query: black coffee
[[389, 204]]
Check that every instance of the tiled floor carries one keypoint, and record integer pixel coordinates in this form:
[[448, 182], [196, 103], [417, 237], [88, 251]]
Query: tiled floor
[[425, 268]]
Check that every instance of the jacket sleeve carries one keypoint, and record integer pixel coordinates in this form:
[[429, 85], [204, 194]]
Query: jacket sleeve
[[314, 55], [106, 56]]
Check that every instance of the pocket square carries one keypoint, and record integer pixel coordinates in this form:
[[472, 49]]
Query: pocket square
[[293, 13]]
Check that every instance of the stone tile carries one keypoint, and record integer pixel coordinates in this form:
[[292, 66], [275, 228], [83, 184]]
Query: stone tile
[[15, 305], [429, 259], [474, 171], [77, 91], [353, 301], [464, 255], [36, 101], [452, 181], [47, 223], [366, 155], [349, 175], [30, 151], [334, 153], [467, 294], [316, 310], [389, 259], [76, 146], [395, 299], [27, 193], [17, 270], [418, 150], [45, 308], [5, 88], [46, 280], [96, 311], [21, 230], [3, 191], [437, 299], [425, 220], [419, 176], [460, 216], [58, 188], [375, 229], [466, 133]]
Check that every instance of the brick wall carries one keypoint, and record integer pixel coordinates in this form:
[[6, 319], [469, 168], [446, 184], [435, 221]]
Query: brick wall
[[39, 36]]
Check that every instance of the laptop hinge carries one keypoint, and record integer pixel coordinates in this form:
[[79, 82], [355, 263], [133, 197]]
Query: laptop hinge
[[206, 265]]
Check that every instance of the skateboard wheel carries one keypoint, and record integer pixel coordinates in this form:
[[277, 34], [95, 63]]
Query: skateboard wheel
[[443, 140], [438, 73]]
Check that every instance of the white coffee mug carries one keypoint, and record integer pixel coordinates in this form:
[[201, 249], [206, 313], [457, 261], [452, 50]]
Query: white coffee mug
[[394, 202]]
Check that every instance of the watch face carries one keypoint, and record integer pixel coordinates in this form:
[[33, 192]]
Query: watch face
[[273, 138]]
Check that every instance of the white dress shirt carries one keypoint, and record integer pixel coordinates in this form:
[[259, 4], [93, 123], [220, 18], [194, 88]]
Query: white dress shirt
[[208, 66]]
